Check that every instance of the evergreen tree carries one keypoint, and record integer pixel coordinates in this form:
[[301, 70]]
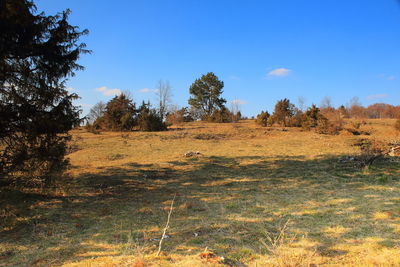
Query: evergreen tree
[[283, 112], [37, 55], [311, 117], [120, 114]]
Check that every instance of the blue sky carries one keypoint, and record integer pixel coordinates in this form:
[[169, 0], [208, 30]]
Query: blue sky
[[262, 50]]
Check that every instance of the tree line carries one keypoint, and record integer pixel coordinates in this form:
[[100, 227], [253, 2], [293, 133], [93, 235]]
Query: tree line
[[207, 104], [122, 114], [325, 119]]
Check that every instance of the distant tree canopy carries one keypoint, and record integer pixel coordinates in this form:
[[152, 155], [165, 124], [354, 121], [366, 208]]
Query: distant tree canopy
[[206, 95], [37, 55], [287, 115]]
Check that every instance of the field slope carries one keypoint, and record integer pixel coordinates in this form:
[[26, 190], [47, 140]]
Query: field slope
[[252, 197]]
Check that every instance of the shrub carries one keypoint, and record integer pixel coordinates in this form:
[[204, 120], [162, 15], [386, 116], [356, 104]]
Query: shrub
[[179, 116], [325, 126], [313, 119], [121, 115], [221, 115], [263, 119], [149, 120]]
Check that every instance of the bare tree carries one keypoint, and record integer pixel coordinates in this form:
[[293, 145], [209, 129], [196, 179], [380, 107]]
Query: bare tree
[[355, 108], [96, 112], [326, 102], [235, 109], [164, 94], [301, 103], [354, 101]]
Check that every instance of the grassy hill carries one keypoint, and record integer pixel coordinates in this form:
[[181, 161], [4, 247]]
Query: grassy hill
[[254, 196]]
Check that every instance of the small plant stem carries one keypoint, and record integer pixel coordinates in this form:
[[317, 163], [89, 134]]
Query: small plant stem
[[166, 226]]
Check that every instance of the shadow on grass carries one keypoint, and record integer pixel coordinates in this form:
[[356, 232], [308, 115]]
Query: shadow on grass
[[227, 204]]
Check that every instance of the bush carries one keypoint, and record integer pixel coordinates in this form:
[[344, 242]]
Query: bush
[[263, 119], [325, 126], [221, 115], [313, 119], [149, 120], [121, 115], [179, 116]]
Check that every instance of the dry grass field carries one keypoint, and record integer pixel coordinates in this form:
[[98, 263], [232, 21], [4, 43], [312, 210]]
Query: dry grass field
[[253, 197]]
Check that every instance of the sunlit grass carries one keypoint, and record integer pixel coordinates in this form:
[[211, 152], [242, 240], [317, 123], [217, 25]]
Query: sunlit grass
[[233, 199]]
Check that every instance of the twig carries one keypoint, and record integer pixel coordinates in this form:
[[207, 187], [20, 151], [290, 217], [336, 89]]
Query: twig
[[166, 226]]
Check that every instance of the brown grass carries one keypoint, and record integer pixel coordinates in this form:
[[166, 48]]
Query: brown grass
[[255, 196]]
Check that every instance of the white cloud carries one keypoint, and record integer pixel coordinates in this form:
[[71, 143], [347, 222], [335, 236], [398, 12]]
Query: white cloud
[[146, 90], [280, 72], [377, 96], [108, 91], [238, 102], [70, 89], [391, 77]]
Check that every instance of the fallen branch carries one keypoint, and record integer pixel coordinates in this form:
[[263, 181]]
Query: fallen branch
[[166, 226]]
